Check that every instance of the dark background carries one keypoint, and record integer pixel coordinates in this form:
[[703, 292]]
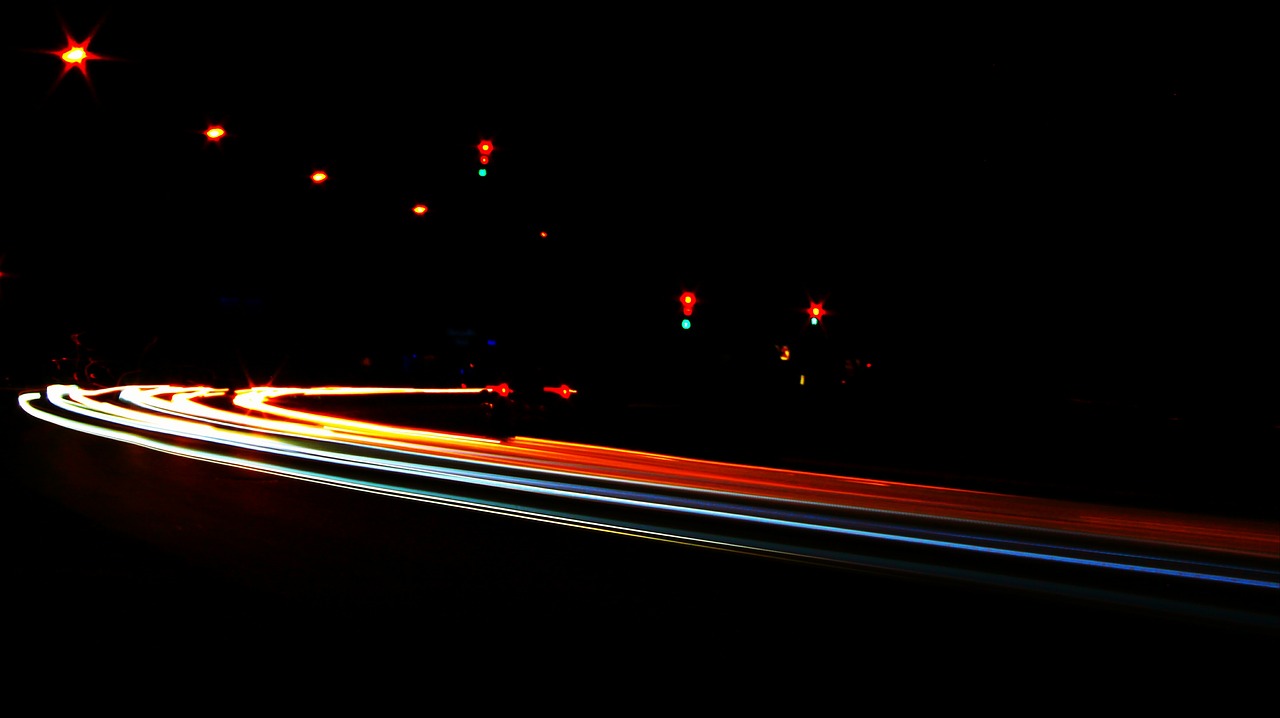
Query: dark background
[[994, 210], [1041, 231]]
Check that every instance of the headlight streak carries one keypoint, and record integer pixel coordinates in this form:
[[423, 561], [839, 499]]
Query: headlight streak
[[795, 520], [26, 401]]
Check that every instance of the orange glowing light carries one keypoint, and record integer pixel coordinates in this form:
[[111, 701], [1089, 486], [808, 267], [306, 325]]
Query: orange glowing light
[[542, 234], [76, 55], [215, 132], [419, 209], [319, 177], [499, 389]]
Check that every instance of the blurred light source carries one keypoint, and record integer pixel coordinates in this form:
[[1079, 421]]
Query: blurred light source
[[419, 209], [816, 312], [563, 390], [319, 177], [687, 300], [75, 55]]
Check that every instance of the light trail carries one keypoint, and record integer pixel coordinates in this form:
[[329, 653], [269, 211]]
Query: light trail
[[1213, 566]]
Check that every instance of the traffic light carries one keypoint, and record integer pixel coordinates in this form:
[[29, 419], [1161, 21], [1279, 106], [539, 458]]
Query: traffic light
[[485, 147], [687, 300], [816, 312]]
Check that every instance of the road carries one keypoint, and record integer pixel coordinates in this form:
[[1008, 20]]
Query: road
[[268, 508], [844, 520]]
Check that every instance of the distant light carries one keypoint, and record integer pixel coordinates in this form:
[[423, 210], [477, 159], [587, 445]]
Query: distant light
[[75, 55], [816, 312], [500, 389], [419, 209], [482, 172], [215, 132], [543, 234], [319, 176], [687, 300], [685, 324]]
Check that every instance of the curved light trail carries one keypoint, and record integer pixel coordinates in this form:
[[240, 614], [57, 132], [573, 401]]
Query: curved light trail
[[1222, 568]]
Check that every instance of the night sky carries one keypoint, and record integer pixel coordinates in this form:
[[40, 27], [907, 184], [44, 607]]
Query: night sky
[[1035, 209]]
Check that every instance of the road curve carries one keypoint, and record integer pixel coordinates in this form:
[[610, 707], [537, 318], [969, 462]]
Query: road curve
[[1216, 567]]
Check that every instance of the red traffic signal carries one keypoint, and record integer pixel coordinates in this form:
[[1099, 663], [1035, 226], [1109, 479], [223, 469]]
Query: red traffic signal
[[816, 312], [563, 390], [687, 300]]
